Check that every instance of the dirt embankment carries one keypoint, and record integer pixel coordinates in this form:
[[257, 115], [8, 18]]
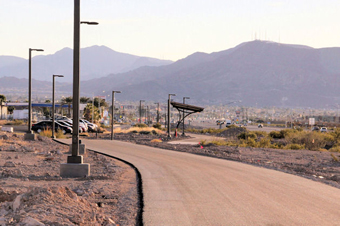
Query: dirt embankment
[[33, 193]]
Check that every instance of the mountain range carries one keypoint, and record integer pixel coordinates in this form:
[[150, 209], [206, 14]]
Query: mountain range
[[96, 61], [259, 73]]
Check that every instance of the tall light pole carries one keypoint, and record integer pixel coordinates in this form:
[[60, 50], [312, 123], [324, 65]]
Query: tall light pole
[[92, 107], [147, 115], [53, 106], [183, 114], [30, 89], [113, 108], [157, 112], [140, 110], [169, 100], [75, 158]]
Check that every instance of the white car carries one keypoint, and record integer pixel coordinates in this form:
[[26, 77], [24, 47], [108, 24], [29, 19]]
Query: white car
[[323, 129]]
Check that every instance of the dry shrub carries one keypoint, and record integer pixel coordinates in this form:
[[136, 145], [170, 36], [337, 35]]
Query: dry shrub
[[294, 146], [141, 125], [335, 149], [139, 130], [60, 134], [46, 133], [334, 157], [218, 142], [310, 140], [157, 126], [156, 141], [15, 122]]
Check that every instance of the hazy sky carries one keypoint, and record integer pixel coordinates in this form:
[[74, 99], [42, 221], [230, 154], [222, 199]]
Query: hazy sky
[[166, 29]]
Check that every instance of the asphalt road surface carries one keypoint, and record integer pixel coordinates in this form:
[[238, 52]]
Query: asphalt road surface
[[186, 189]]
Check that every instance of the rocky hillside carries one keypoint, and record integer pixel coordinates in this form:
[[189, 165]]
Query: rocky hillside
[[257, 73]]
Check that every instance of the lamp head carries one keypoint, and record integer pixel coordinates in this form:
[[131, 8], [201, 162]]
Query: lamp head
[[89, 22], [40, 50]]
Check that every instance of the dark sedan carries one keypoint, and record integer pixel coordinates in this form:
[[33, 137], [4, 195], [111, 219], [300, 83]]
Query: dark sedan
[[44, 125]]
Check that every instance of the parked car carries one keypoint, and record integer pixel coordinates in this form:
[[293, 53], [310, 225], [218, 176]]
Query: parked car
[[323, 129], [69, 123], [91, 126], [83, 123], [44, 125], [315, 128]]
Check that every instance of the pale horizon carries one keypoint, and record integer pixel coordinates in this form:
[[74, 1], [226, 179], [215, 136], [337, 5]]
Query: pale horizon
[[166, 30]]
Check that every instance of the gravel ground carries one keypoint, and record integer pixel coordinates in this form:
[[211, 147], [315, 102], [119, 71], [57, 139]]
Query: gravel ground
[[33, 193]]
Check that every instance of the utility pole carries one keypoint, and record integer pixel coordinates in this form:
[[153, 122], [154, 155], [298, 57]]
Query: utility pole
[[169, 126]]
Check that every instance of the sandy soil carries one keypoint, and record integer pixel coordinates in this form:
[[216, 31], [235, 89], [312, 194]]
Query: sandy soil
[[33, 193]]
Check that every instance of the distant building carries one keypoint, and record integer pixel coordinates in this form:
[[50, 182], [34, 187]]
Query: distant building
[[3, 110]]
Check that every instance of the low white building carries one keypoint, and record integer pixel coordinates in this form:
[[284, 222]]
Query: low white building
[[20, 114], [3, 111]]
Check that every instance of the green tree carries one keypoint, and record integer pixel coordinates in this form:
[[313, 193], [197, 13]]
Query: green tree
[[46, 110], [89, 110], [2, 99], [84, 100], [102, 102], [68, 101], [10, 109]]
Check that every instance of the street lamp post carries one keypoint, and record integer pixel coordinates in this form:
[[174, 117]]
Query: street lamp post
[[75, 158], [147, 115], [53, 106], [157, 119], [169, 100], [183, 114], [113, 108], [140, 110], [30, 89], [75, 166]]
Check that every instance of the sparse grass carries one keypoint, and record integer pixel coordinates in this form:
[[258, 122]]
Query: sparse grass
[[156, 141], [334, 157], [335, 149], [209, 130], [217, 142], [247, 135], [157, 126], [141, 125], [60, 134], [15, 122], [294, 139], [139, 130], [294, 146], [48, 133]]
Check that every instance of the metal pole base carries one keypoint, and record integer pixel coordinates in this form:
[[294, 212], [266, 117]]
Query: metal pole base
[[74, 170], [75, 159], [30, 136]]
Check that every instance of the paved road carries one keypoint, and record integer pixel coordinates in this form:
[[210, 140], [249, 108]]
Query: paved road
[[185, 189], [208, 124]]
